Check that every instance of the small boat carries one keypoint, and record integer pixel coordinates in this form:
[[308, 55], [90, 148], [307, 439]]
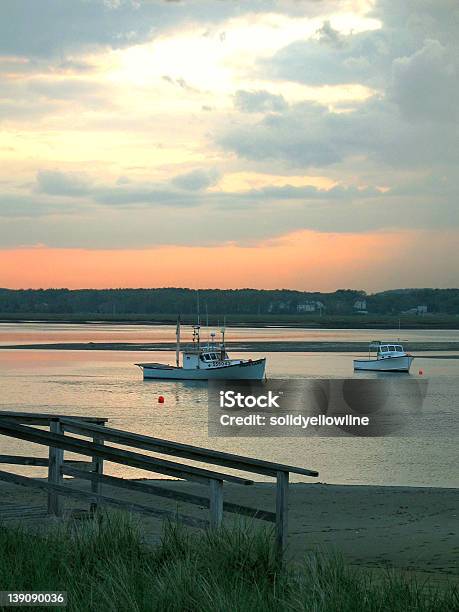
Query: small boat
[[389, 357], [205, 362]]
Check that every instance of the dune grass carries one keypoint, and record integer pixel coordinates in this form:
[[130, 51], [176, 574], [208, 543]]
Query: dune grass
[[104, 565]]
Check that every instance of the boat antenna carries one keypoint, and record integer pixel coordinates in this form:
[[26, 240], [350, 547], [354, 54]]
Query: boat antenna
[[196, 328], [222, 348], [177, 350], [207, 324], [223, 332]]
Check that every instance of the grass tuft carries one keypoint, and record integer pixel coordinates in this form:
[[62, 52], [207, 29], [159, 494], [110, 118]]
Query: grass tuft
[[105, 566]]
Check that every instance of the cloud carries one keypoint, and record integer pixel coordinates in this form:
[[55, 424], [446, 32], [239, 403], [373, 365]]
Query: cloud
[[311, 136], [413, 59], [35, 97], [258, 101], [327, 33], [54, 182], [143, 195], [309, 192], [302, 135], [411, 62], [426, 84], [115, 209], [20, 206], [332, 59], [181, 190], [416, 20], [78, 91], [26, 111], [402, 139], [136, 214], [180, 82], [188, 189], [56, 28], [196, 180], [53, 27]]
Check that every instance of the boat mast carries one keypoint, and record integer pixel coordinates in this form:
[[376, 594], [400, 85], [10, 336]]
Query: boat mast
[[223, 351], [177, 350], [196, 328]]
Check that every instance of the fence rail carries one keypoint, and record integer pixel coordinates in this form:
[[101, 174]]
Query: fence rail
[[58, 441]]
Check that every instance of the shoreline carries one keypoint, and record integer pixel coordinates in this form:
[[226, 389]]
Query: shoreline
[[379, 527], [241, 347], [369, 322]]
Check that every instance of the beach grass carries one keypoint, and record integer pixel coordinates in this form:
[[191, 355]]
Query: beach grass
[[105, 565]]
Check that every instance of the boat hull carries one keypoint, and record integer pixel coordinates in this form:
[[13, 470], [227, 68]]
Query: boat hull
[[246, 370], [389, 364]]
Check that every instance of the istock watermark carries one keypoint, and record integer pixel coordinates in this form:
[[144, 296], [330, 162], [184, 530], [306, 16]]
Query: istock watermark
[[315, 407], [232, 399]]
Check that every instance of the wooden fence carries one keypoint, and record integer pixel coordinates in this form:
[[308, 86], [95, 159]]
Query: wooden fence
[[96, 436]]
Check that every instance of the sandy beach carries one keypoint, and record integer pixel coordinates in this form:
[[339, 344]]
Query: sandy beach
[[406, 528]]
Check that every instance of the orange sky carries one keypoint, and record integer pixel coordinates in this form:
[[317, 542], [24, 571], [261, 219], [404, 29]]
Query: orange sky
[[304, 260], [305, 143]]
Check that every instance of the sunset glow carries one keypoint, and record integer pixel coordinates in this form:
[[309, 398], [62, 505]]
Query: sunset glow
[[226, 145], [303, 259]]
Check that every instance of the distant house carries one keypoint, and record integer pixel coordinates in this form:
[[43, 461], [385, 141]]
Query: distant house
[[310, 306], [421, 309], [306, 307], [360, 306], [278, 306]]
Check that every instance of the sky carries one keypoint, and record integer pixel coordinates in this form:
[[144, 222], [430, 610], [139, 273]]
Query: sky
[[304, 144]]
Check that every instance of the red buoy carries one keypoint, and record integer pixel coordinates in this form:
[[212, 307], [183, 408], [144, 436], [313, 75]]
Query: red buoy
[[161, 399]]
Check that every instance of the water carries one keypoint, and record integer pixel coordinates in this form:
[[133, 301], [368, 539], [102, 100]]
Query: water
[[37, 333], [104, 383]]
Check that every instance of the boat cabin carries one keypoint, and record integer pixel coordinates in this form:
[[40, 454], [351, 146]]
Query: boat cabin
[[391, 348], [387, 349], [206, 358], [215, 356]]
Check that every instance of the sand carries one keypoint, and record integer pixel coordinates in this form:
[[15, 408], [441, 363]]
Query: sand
[[407, 528]]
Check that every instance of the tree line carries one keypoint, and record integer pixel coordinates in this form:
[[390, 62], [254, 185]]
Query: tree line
[[169, 300]]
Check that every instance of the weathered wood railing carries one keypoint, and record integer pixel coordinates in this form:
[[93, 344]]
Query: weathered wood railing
[[43, 420], [58, 441]]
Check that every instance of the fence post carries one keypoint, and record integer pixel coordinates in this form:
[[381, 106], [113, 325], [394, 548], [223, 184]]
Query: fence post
[[216, 503], [281, 513], [56, 460], [97, 468]]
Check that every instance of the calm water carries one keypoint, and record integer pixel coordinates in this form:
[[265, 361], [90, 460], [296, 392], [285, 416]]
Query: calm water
[[100, 383], [35, 333]]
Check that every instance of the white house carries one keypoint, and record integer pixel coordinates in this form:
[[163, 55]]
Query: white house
[[306, 307], [421, 309]]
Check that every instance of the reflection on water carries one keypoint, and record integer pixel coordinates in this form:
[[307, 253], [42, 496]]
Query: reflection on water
[[36, 333], [99, 383]]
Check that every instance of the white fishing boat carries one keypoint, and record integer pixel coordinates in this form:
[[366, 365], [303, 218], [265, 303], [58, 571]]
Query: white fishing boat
[[205, 362], [388, 357]]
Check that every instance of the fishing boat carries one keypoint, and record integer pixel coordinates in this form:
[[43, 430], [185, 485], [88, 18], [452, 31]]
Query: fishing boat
[[388, 357], [205, 362]]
